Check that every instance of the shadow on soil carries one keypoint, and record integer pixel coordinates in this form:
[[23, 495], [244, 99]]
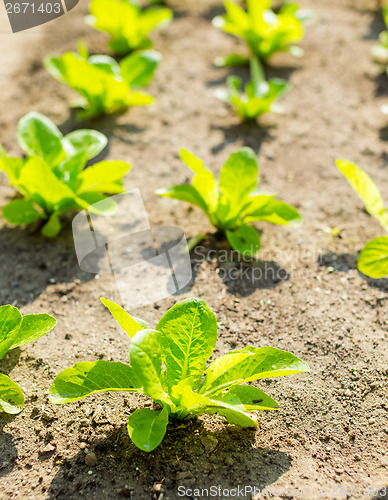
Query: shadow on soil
[[344, 262], [189, 456], [376, 25], [106, 124], [8, 451], [242, 275], [251, 133], [41, 263]]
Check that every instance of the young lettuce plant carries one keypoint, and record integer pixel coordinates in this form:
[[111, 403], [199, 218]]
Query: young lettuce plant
[[234, 202], [15, 331], [259, 97], [127, 24], [168, 365], [105, 85], [373, 259], [53, 179], [264, 31]]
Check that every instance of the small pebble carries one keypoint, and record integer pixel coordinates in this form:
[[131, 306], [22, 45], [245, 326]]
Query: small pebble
[[52, 281], [209, 442], [90, 459], [357, 457]]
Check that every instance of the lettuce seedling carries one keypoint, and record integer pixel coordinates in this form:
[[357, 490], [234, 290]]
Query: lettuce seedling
[[168, 365], [373, 259], [15, 331], [127, 24], [105, 85], [264, 31], [53, 179], [259, 97], [234, 202]]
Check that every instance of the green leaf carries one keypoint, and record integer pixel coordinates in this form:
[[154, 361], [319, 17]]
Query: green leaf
[[153, 18], [32, 328], [20, 212], [10, 321], [373, 260], [245, 239], [239, 176], [86, 378], [251, 397], [231, 60], [102, 91], [52, 227], [184, 192], [274, 211], [192, 403], [68, 170], [204, 181], [250, 364], [11, 396], [366, 190], [42, 185], [146, 361], [147, 428], [128, 323], [88, 142], [138, 68], [38, 136], [188, 337], [10, 166], [101, 175], [192, 161]]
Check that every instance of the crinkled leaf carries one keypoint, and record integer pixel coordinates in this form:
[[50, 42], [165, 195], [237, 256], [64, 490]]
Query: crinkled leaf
[[193, 403], [20, 212], [38, 136], [251, 397], [250, 364], [138, 68], [10, 322], [373, 260], [42, 185], [188, 337], [100, 176], [86, 378], [88, 142], [204, 181], [11, 396], [32, 328], [239, 176], [153, 18], [10, 166], [145, 352], [127, 322], [366, 190], [184, 192], [147, 428], [245, 239], [275, 211]]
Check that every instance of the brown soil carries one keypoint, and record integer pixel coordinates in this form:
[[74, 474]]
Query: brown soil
[[331, 430]]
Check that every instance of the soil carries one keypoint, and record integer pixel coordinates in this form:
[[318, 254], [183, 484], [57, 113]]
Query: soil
[[329, 439]]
